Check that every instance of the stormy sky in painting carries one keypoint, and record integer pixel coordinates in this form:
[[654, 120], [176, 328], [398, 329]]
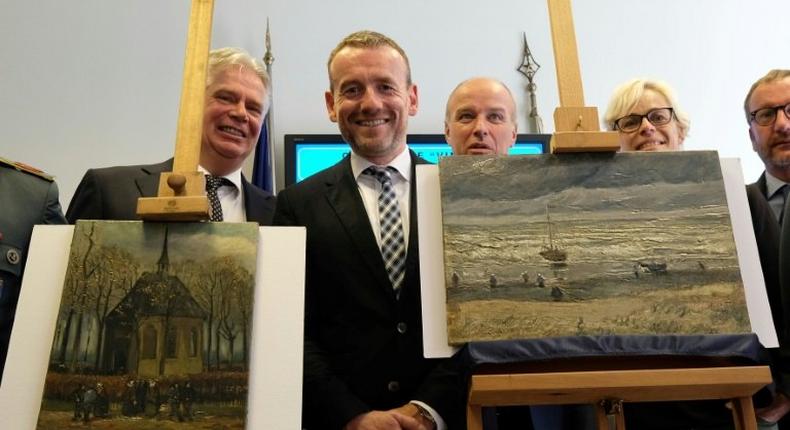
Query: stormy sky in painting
[[186, 241], [479, 186]]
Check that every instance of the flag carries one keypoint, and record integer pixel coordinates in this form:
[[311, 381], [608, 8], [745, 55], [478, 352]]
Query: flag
[[262, 169]]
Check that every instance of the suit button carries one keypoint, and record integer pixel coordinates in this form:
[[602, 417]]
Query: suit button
[[402, 327], [393, 386], [12, 256]]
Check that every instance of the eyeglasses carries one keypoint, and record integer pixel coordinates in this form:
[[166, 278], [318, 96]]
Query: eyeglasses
[[657, 117], [767, 116]]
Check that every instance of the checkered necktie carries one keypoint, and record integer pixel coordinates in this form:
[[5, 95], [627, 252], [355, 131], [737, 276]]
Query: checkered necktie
[[393, 247], [212, 183]]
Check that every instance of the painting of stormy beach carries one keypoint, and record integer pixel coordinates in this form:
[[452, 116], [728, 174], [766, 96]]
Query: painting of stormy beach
[[588, 244]]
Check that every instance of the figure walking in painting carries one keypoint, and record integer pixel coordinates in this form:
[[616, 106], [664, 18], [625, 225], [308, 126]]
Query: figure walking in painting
[[140, 394], [492, 282], [102, 407], [128, 408], [187, 398], [88, 404], [155, 396], [455, 279], [525, 277], [174, 399], [78, 397], [540, 281]]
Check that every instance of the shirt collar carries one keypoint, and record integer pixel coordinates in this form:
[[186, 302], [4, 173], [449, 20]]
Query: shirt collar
[[772, 184], [234, 177], [401, 163]]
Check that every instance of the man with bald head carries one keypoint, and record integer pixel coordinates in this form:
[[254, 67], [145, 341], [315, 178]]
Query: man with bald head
[[480, 118]]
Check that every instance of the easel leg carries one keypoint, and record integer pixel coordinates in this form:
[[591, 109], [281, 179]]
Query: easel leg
[[743, 414], [601, 419], [474, 417]]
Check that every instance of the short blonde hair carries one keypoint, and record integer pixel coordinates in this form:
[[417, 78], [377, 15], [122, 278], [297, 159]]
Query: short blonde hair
[[628, 94], [772, 76]]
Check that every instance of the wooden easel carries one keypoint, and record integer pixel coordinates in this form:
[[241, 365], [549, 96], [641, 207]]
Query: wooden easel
[[182, 192], [608, 389], [635, 380]]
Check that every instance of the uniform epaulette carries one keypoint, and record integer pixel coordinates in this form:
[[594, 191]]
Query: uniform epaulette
[[22, 167]]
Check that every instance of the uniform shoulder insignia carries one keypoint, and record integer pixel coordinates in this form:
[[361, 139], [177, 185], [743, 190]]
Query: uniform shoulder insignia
[[22, 167]]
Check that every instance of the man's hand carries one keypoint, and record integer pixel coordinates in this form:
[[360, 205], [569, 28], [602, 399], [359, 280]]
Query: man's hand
[[776, 410], [406, 417]]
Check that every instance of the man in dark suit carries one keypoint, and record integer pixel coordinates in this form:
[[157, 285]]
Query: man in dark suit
[[767, 109], [364, 364], [27, 197], [237, 99]]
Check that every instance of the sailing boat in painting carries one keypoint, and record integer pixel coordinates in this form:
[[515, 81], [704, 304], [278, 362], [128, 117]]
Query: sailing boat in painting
[[552, 252]]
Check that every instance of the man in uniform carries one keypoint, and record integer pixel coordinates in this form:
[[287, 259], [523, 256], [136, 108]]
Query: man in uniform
[[27, 197]]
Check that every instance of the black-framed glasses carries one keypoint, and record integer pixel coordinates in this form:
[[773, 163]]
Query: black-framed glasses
[[767, 116], [657, 117]]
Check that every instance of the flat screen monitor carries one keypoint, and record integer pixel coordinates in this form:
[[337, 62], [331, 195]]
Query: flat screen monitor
[[306, 154]]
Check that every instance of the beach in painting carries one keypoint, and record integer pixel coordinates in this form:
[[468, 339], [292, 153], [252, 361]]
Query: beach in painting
[[587, 245]]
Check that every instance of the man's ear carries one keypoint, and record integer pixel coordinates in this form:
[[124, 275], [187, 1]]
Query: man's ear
[[329, 98], [413, 100], [753, 139]]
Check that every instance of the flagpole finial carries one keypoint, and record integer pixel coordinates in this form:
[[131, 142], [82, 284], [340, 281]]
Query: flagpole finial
[[268, 57], [529, 67]]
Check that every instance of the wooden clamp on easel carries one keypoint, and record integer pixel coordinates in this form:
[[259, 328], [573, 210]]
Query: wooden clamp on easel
[[182, 192], [637, 380], [576, 126]]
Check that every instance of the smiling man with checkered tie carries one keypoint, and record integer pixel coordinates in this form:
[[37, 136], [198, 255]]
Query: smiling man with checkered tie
[[237, 99], [364, 364]]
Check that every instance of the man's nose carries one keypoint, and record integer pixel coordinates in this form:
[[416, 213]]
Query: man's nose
[[239, 112], [782, 123], [370, 100], [481, 127]]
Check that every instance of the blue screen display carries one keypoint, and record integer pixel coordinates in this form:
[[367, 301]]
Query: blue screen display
[[312, 157]]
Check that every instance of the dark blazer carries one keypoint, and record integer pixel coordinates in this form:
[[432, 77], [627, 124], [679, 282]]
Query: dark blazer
[[26, 200], [111, 194], [773, 244], [363, 348], [766, 231]]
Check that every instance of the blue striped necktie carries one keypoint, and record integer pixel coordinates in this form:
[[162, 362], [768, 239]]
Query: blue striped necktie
[[393, 246]]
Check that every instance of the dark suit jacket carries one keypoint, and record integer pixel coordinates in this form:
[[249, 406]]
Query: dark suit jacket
[[111, 194], [26, 200], [363, 348], [775, 262]]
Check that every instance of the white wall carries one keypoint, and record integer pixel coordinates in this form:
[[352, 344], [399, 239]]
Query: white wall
[[88, 83]]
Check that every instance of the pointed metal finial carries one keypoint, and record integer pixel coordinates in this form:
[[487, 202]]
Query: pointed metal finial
[[268, 57], [529, 67]]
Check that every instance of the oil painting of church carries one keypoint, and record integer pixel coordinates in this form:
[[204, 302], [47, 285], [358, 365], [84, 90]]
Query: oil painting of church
[[154, 324], [588, 244]]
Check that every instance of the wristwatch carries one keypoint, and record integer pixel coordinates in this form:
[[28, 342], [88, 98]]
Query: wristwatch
[[422, 412]]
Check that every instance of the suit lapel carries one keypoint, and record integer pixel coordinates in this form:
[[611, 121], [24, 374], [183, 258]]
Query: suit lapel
[[148, 180], [343, 196]]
